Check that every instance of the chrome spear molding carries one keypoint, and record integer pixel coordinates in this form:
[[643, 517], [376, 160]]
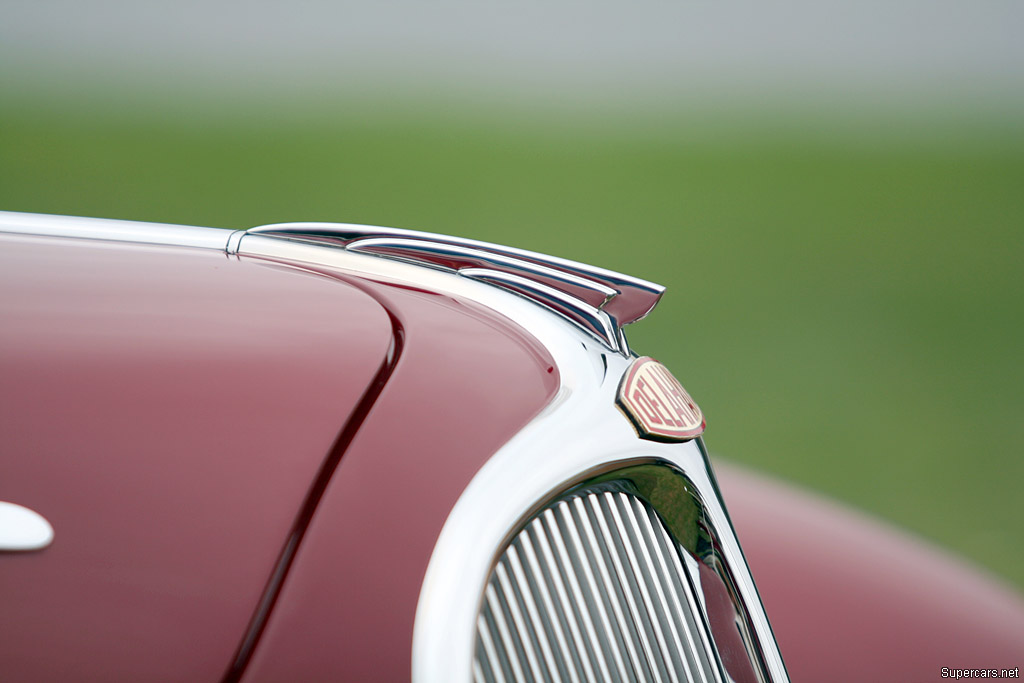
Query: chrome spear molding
[[599, 301]]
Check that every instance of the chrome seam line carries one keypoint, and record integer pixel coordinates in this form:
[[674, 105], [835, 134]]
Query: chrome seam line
[[582, 425], [234, 239]]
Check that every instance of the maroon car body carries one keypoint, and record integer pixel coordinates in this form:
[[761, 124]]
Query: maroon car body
[[248, 461]]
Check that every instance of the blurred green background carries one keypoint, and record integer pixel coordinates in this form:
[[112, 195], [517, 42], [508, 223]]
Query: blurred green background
[[844, 279]]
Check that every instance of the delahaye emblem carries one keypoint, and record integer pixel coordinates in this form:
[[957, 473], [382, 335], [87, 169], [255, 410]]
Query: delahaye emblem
[[657, 404]]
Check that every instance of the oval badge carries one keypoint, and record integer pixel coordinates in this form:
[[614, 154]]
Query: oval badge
[[657, 404]]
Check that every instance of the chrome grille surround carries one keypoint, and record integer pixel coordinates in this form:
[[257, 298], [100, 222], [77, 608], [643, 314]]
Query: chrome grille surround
[[580, 435], [593, 588]]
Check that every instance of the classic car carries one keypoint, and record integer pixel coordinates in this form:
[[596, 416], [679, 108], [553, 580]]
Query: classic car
[[310, 451]]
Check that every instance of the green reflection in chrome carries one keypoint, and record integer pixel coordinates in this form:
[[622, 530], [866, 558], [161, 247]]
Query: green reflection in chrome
[[670, 493]]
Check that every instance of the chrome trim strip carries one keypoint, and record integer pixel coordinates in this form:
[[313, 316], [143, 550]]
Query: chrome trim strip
[[590, 319], [457, 257], [22, 529], [114, 230]]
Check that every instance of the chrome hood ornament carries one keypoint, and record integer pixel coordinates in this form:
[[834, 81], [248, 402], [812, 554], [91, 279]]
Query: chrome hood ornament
[[599, 301]]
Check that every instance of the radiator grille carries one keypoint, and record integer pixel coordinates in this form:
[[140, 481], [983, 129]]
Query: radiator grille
[[593, 589]]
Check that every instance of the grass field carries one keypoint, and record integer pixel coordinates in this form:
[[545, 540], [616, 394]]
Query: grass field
[[845, 296]]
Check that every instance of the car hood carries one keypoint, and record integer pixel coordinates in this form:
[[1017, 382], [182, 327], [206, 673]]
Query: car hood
[[167, 410]]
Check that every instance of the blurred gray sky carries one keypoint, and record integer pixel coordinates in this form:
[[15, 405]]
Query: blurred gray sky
[[648, 49]]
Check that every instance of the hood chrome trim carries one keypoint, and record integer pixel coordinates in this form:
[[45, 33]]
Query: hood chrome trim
[[114, 230], [599, 301]]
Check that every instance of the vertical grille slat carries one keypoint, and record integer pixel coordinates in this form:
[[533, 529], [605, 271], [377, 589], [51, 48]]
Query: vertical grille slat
[[596, 598], [565, 604], [639, 646], [695, 623], [681, 645], [593, 589], [512, 659], [658, 608], [685, 633], [581, 606], [555, 619], [613, 590], [486, 648], [524, 636], [639, 603], [479, 676], [539, 627]]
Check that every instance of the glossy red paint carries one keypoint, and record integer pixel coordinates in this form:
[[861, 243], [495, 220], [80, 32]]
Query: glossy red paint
[[465, 383], [852, 600], [167, 410]]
